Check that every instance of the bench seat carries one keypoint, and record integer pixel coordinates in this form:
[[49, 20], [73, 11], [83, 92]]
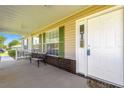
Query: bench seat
[[38, 57]]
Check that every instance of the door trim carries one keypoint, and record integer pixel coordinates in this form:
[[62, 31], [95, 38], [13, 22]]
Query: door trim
[[85, 47]]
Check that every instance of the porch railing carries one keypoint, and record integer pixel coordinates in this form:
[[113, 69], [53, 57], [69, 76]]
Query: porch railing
[[25, 53], [22, 54]]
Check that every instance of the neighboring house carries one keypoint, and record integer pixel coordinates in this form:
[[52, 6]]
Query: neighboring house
[[17, 47], [89, 41]]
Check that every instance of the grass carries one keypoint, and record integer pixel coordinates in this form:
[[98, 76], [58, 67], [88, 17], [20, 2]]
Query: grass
[[4, 54]]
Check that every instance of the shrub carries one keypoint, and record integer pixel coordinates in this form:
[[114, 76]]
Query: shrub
[[12, 53]]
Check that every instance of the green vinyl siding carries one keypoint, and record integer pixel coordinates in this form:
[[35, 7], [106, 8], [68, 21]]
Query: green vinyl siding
[[61, 41]]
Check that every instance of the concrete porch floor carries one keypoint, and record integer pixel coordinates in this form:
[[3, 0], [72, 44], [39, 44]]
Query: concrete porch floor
[[22, 74]]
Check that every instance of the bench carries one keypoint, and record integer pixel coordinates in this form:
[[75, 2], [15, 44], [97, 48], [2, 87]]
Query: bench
[[38, 57]]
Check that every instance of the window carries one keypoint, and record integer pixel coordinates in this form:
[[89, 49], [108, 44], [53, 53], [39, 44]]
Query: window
[[52, 42], [25, 43], [35, 42], [40, 42], [82, 36]]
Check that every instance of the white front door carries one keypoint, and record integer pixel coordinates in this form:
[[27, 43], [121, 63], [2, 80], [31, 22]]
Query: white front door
[[81, 48], [105, 42]]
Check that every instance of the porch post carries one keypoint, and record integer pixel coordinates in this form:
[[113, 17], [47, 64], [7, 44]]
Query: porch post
[[16, 55]]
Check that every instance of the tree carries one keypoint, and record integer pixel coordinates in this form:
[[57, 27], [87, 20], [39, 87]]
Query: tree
[[2, 39], [13, 43]]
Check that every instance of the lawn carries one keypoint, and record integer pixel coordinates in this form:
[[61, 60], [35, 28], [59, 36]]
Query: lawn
[[4, 54]]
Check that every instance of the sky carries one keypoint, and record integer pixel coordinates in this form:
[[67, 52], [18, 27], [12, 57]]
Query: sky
[[10, 37]]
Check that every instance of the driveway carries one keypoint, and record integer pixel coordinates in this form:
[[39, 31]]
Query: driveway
[[5, 57]]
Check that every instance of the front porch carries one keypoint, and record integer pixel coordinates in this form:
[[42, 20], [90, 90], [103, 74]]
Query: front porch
[[70, 44], [22, 74]]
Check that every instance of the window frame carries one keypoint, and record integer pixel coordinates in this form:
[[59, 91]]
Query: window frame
[[35, 45], [55, 30]]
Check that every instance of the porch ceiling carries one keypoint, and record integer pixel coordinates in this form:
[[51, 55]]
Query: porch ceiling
[[22, 19]]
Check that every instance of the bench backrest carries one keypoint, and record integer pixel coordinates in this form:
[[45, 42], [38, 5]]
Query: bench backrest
[[39, 55]]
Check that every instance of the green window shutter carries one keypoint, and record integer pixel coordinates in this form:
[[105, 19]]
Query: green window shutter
[[27, 44], [44, 41], [32, 43], [44, 37], [40, 41], [61, 41], [40, 38], [23, 43]]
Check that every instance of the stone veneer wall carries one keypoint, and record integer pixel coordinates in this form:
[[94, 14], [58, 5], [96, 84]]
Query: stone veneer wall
[[99, 84], [65, 64]]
